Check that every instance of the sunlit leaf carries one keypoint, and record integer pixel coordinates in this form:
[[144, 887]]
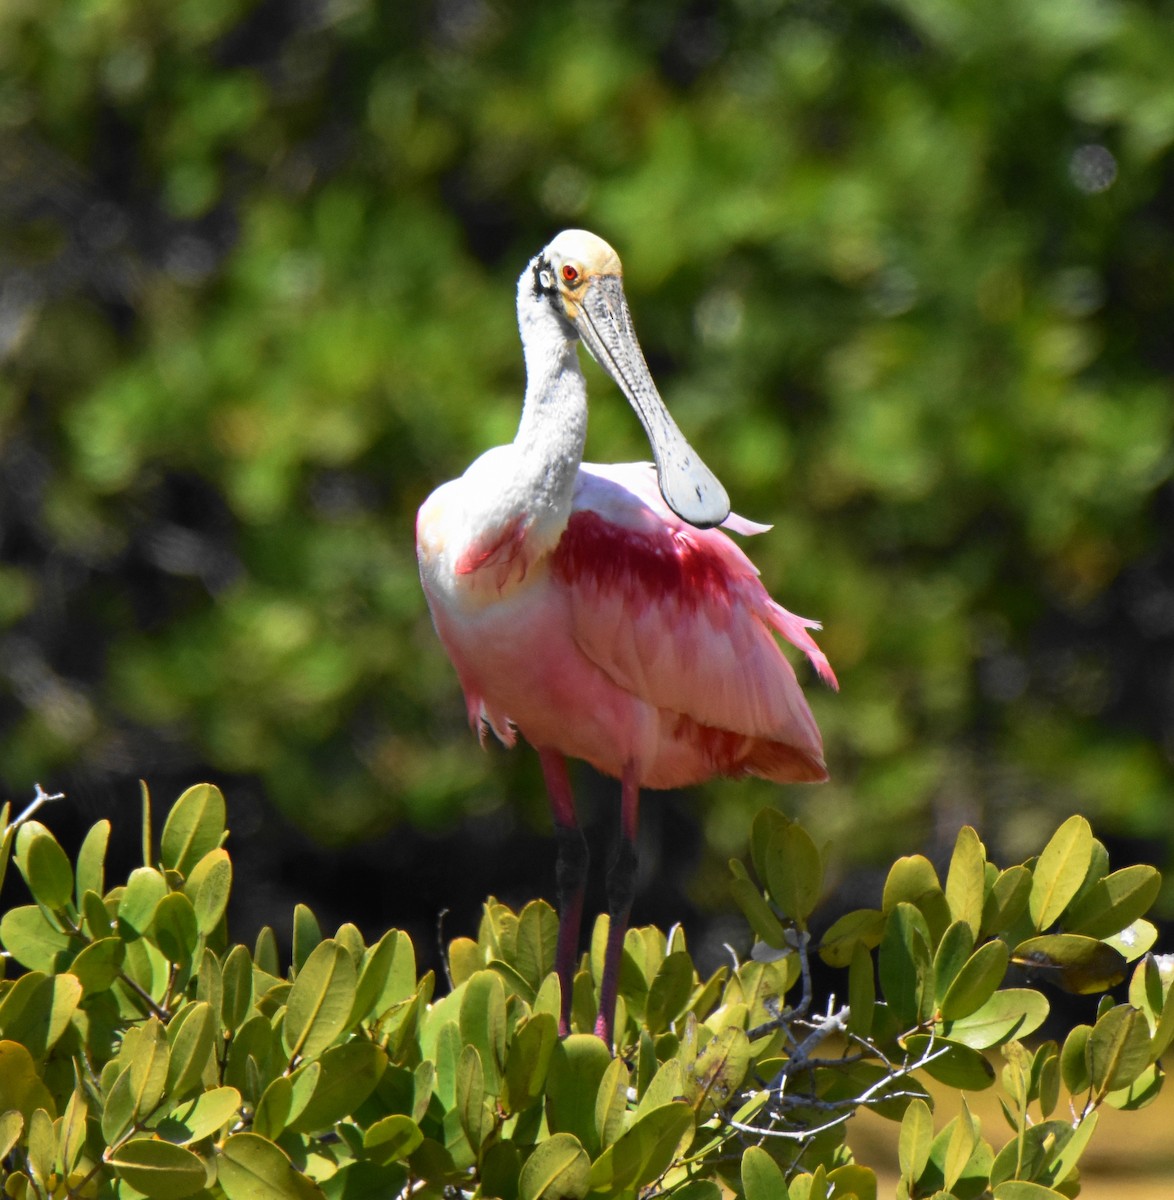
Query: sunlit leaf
[[252, 1168], [558, 1168], [194, 827], [644, 1152], [1060, 871], [159, 1170]]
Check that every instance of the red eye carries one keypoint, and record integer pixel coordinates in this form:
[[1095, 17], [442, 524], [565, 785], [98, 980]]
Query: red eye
[[570, 274]]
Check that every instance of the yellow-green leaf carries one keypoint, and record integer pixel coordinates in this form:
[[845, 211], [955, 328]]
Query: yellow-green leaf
[[160, 1170], [194, 826], [1060, 871], [251, 1167], [320, 1001]]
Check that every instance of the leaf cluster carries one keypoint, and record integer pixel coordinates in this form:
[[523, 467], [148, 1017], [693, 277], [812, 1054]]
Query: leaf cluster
[[142, 1054]]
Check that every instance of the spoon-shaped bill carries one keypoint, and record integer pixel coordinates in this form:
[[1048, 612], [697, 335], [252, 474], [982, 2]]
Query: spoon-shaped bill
[[688, 486]]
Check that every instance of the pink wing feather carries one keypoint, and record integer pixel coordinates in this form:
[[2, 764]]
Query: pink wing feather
[[677, 615]]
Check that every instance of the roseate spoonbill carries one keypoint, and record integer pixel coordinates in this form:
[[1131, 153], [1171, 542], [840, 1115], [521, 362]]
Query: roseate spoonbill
[[596, 608]]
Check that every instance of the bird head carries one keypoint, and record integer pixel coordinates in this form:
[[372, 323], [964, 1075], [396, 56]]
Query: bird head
[[580, 275]]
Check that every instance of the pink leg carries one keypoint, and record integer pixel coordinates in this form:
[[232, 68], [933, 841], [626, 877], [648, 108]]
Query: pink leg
[[621, 888], [570, 876]]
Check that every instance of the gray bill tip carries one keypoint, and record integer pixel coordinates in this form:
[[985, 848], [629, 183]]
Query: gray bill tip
[[690, 488]]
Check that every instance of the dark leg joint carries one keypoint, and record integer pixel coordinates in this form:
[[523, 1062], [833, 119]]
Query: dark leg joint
[[570, 871], [621, 879]]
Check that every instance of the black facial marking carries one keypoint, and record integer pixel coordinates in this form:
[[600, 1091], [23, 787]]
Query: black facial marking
[[542, 266]]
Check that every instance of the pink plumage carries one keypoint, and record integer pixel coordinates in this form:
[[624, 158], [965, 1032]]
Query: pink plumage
[[637, 639]]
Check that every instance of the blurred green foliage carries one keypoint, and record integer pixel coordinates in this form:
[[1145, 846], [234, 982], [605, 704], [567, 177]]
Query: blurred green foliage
[[905, 270]]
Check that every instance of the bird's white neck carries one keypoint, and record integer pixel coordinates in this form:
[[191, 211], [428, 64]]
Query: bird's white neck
[[553, 428]]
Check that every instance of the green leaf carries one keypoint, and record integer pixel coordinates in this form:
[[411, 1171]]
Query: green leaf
[[953, 950], [528, 1061], [98, 964], [159, 1170], [1011, 1013], [252, 1168], [148, 1068], [96, 918], [349, 1074], [762, 1177], [11, 1127], [273, 1109], [915, 1141], [118, 1113], [537, 939], [909, 880], [1045, 1077], [73, 1130], [483, 1024], [194, 827], [34, 941], [7, 838], [861, 992], [1069, 1154], [750, 900], [717, 1073], [1140, 1091], [306, 935], [1007, 901], [862, 926], [145, 832], [91, 862], [391, 1138], [558, 1169], [1023, 1189], [1074, 1060], [705, 1189], [966, 880], [611, 1103], [208, 887], [666, 1085], [956, 1065], [1077, 964], [373, 976], [476, 1119], [961, 1144], [789, 864], [577, 1067], [976, 981], [40, 1149], [465, 958], [265, 951], [37, 1009], [20, 1082], [904, 966], [136, 906], [1134, 940], [48, 872], [645, 1152], [1114, 902], [302, 1086], [237, 989], [1118, 1049], [1060, 871], [669, 993], [191, 1034], [202, 1116], [174, 929]]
